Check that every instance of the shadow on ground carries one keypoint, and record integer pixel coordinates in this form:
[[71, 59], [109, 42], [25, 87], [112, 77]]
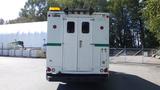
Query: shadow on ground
[[116, 81]]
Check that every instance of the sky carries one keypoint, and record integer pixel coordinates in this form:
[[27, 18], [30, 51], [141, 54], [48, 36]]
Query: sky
[[9, 9]]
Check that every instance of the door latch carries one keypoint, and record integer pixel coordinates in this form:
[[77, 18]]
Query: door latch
[[80, 43]]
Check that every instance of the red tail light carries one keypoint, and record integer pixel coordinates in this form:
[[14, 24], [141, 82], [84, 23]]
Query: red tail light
[[48, 69], [106, 70]]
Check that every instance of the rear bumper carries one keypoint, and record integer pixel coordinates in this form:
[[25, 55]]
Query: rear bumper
[[77, 77]]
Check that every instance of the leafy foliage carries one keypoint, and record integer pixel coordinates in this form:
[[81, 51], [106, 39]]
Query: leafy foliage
[[133, 23], [126, 18], [151, 13], [96, 4]]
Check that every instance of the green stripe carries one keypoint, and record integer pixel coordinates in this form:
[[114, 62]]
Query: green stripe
[[59, 44], [53, 44], [101, 45]]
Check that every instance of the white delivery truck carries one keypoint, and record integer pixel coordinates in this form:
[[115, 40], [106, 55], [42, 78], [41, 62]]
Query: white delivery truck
[[77, 45]]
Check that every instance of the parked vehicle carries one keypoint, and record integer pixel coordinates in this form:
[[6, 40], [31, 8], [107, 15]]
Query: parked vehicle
[[78, 45]]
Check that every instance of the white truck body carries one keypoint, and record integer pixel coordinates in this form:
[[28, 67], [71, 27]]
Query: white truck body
[[77, 46]]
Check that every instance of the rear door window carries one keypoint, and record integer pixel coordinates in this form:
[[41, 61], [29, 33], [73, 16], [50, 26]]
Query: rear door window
[[70, 27], [85, 27]]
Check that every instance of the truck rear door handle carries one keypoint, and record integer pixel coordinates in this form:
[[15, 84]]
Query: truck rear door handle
[[80, 43]]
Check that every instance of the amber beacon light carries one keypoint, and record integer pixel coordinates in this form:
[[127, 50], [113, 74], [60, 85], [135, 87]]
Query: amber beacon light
[[54, 9]]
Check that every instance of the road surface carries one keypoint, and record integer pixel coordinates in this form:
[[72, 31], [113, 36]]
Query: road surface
[[29, 74]]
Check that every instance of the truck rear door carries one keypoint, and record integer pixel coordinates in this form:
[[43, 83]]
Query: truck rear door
[[84, 44], [70, 45], [77, 49]]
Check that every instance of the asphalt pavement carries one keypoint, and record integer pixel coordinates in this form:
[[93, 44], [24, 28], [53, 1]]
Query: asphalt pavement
[[29, 74]]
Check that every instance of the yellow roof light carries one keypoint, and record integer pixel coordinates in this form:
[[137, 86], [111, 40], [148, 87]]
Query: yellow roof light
[[54, 9]]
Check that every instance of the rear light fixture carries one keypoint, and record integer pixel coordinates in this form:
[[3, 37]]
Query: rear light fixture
[[54, 26], [106, 70], [101, 27], [49, 69], [107, 16], [53, 70], [101, 70]]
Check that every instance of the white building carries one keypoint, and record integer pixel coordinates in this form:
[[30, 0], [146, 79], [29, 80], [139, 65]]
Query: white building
[[32, 34]]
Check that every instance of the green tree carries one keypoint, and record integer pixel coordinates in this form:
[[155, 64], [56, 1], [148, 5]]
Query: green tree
[[99, 5], [123, 12], [36, 10], [151, 14], [150, 40]]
